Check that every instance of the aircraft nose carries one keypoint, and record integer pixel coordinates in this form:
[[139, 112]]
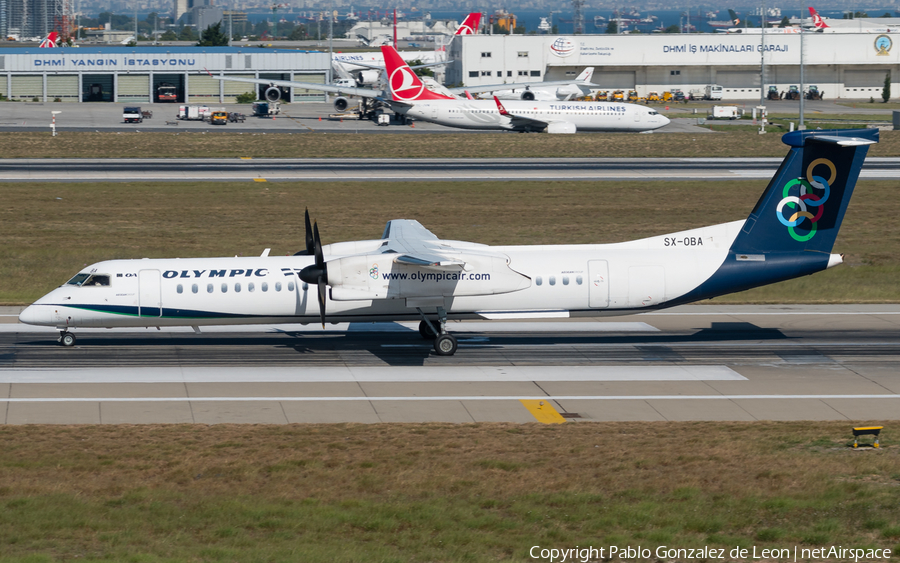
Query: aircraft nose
[[34, 315]]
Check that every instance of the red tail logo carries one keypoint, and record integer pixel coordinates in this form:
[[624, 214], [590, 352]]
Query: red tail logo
[[50, 41], [470, 25], [817, 19], [404, 84]]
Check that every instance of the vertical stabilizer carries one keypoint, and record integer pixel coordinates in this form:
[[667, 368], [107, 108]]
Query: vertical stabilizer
[[405, 86]]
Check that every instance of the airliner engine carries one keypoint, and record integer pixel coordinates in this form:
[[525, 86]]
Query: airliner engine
[[369, 77], [341, 103], [273, 94], [528, 96]]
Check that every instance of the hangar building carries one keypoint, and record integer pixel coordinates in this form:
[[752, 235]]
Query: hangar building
[[135, 74], [843, 65]]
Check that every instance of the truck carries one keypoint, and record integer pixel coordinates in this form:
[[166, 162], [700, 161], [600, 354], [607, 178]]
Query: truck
[[712, 92], [218, 117], [266, 109], [193, 113], [166, 92], [132, 114], [725, 112]]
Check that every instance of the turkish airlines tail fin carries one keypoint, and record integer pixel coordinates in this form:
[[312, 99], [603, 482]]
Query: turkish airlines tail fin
[[50, 41], [469, 26], [405, 86], [585, 75], [735, 19], [817, 19]]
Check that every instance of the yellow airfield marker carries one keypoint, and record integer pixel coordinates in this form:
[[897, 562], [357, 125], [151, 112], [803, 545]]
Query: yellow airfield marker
[[246, 158], [543, 411], [259, 179]]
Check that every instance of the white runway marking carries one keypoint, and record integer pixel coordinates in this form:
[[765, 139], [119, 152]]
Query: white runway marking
[[368, 374], [453, 327], [441, 398]]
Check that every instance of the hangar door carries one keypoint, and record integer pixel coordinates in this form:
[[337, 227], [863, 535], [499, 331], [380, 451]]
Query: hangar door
[[309, 95], [134, 88], [615, 80], [864, 78], [738, 78], [233, 89], [63, 87], [203, 90], [27, 87]]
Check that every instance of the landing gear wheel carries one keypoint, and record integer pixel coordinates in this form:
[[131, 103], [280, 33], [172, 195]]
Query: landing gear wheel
[[426, 331], [67, 339], [445, 345]]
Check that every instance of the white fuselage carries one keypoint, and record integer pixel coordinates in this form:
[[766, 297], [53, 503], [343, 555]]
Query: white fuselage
[[586, 116], [544, 93], [533, 281]]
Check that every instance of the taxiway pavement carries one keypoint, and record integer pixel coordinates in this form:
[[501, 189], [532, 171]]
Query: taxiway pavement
[[699, 362]]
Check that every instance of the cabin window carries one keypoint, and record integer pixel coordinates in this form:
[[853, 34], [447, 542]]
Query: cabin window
[[179, 288], [305, 286], [265, 286], [579, 280], [194, 288], [224, 288], [209, 288], [538, 280], [565, 280], [237, 288], [290, 286], [250, 287], [277, 286], [552, 280]]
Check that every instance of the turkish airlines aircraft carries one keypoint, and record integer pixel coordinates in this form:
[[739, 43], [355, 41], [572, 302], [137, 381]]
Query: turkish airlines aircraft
[[410, 97], [411, 274], [818, 22], [364, 67], [50, 41]]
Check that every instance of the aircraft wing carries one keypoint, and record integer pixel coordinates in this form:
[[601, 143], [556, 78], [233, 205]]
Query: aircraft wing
[[417, 246], [342, 90], [519, 86], [520, 121]]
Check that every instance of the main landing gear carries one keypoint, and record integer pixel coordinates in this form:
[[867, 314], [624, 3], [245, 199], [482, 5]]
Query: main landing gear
[[444, 343], [66, 338]]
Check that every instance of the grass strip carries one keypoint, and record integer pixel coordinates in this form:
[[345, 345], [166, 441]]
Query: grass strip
[[50, 231], [746, 143], [437, 492]]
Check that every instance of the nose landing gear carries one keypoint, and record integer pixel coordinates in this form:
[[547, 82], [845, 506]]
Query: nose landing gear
[[66, 338]]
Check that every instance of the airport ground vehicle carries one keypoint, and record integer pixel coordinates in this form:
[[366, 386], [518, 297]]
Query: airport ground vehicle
[[814, 93], [632, 96], [147, 114], [678, 95], [667, 97], [193, 113], [218, 117], [618, 96], [725, 112], [166, 92], [653, 97], [602, 96], [236, 117], [773, 93], [132, 114], [712, 92], [266, 109], [793, 93]]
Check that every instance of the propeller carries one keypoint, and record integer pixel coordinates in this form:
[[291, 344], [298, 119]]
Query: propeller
[[316, 273], [310, 244]]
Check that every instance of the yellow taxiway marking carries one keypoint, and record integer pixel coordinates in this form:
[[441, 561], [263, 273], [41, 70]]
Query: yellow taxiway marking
[[259, 180], [543, 411], [246, 158]]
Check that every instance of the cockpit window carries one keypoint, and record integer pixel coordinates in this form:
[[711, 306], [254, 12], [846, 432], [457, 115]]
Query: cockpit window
[[78, 279], [653, 112], [85, 280]]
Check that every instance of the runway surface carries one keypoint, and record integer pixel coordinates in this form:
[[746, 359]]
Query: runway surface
[[696, 362], [319, 170]]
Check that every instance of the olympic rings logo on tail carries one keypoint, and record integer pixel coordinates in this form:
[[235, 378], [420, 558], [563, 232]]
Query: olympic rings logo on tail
[[804, 205]]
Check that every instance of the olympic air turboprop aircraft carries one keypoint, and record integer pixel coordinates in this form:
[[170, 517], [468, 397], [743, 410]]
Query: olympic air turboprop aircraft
[[410, 274]]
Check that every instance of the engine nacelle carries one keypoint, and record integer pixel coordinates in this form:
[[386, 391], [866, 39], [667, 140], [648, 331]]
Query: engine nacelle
[[369, 77], [528, 96], [561, 128], [341, 103], [273, 94]]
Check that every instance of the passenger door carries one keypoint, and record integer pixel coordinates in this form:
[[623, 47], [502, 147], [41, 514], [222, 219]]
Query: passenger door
[[598, 284], [149, 294]]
